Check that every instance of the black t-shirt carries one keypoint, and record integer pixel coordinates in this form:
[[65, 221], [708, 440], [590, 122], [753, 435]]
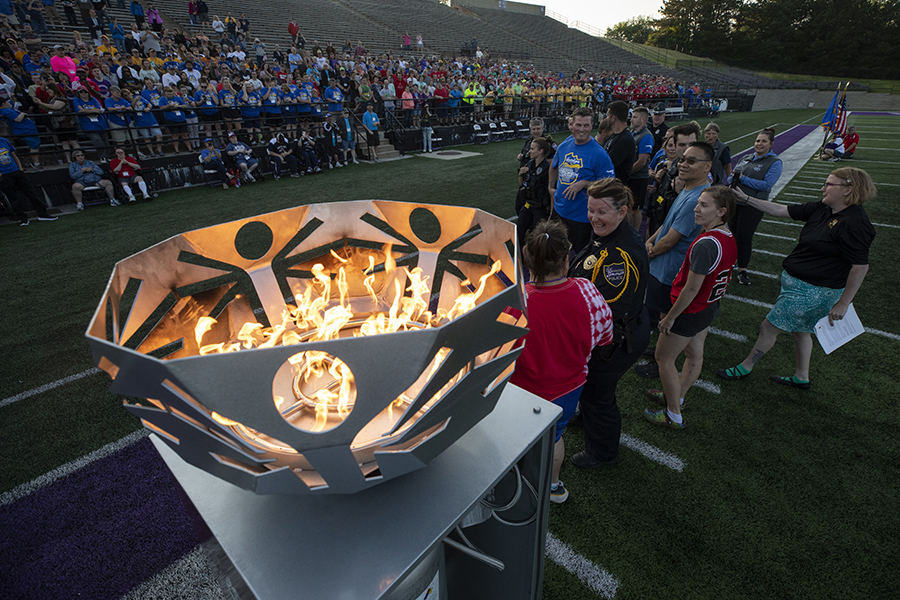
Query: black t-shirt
[[621, 150], [830, 243]]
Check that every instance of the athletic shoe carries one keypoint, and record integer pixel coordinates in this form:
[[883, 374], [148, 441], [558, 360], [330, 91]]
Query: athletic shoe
[[295, 174], [791, 382], [339, 165], [276, 177], [657, 396], [79, 207], [330, 166], [743, 278], [355, 162], [24, 222], [132, 199], [114, 202], [661, 418], [648, 370], [47, 218], [147, 197], [560, 494], [732, 374], [142, 156], [376, 159], [249, 177], [585, 460], [833, 159]]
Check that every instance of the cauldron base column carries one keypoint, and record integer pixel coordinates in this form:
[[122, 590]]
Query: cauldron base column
[[374, 544]]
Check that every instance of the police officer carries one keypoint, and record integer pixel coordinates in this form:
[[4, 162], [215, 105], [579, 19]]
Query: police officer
[[615, 260]]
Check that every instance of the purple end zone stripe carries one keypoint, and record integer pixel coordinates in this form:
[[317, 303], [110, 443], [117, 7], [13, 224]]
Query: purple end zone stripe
[[96, 533], [856, 113], [783, 141]]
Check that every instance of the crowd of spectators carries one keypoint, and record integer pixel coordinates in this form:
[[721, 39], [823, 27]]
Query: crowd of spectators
[[164, 90]]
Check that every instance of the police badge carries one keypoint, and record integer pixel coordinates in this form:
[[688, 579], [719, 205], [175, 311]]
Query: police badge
[[614, 273]]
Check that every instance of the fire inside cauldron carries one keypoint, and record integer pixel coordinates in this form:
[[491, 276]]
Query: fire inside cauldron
[[323, 348]]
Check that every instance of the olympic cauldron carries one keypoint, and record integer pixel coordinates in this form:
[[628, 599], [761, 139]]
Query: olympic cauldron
[[319, 349]]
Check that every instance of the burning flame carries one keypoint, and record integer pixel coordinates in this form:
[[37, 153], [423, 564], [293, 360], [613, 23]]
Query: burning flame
[[324, 384]]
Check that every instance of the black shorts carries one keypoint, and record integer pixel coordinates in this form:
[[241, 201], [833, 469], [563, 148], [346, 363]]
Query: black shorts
[[372, 138], [658, 299], [128, 180], [273, 119], [205, 118], [689, 325], [231, 113], [176, 128], [252, 124]]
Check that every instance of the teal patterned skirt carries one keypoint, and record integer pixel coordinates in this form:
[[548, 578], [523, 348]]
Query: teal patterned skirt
[[800, 305]]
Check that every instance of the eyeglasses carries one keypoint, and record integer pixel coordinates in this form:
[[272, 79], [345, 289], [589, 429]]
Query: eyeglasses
[[691, 161], [828, 184]]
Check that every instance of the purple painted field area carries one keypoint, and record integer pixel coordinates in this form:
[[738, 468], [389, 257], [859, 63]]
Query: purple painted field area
[[96, 533], [783, 141], [874, 114]]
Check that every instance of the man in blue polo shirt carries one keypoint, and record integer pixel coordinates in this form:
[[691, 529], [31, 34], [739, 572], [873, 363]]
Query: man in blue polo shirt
[[14, 184], [579, 161]]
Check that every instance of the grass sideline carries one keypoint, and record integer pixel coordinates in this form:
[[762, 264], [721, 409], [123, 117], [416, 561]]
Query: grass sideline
[[784, 494]]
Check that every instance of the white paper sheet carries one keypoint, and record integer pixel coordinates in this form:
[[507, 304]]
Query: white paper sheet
[[835, 336]]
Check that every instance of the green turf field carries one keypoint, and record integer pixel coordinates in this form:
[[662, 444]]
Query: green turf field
[[783, 494]]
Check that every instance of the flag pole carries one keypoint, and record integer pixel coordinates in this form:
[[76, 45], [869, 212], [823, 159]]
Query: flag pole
[[833, 105]]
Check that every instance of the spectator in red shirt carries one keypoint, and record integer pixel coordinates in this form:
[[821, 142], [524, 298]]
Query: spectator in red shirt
[[126, 168], [293, 30], [850, 142]]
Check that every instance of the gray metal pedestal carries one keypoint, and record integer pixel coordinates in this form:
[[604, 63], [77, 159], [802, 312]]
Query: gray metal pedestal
[[362, 546]]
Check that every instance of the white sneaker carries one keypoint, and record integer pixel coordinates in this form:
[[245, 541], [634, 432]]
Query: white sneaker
[[142, 156], [330, 166], [355, 162], [340, 165], [147, 197], [79, 207], [132, 199]]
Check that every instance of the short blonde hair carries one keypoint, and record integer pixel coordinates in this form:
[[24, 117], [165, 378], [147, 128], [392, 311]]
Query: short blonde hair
[[862, 188]]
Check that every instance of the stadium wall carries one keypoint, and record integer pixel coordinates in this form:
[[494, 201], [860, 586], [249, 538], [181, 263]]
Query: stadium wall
[[778, 99], [519, 7]]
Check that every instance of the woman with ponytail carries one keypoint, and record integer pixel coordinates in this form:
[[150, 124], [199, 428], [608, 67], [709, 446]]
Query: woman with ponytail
[[567, 318]]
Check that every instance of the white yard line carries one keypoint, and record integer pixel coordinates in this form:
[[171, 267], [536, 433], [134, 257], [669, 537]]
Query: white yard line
[[48, 387], [761, 274], [652, 452], [790, 223], [770, 253], [598, 579], [777, 237], [728, 334], [70, 467]]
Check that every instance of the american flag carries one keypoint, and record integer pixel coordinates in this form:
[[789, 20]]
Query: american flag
[[840, 118]]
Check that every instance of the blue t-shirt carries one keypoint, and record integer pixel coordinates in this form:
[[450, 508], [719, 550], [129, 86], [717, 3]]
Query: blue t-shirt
[[228, 98], [206, 102], [206, 152], [680, 218], [250, 106], [289, 106], [645, 144], [271, 102], [335, 97], [302, 96], [455, 95], [91, 122], [7, 162], [173, 116], [151, 96], [25, 127], [370, 120], [574, 163], [143, 119], [243, 152], [117, 118]]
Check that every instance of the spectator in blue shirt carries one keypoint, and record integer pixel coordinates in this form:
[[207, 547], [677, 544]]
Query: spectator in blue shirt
[[250, 103], [243, 156], [119, 110], [93, 121], [145, 121], [207, 102], [24, 129], [212, 159], [86, 173], [175, 117], [118, 35], [371, 123], [14, 183]]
